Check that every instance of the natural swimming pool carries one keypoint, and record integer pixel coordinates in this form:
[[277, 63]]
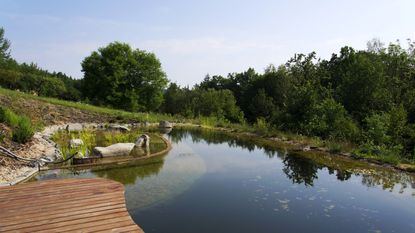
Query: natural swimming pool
[[214, 182]]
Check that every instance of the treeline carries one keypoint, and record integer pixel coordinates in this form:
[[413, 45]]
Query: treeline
[[362, 96], [32, 79], [365, 97]]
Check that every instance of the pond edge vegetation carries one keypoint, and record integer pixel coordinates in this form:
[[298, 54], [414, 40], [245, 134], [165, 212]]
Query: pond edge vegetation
[[47, 134]]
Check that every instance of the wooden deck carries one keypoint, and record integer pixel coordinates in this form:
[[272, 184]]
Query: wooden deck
[[69, 205]]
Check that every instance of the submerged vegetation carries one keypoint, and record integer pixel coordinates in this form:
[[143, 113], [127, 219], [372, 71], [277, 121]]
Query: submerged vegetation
[[101, 137]]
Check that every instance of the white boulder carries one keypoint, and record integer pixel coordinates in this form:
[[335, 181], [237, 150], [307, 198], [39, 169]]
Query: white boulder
[[75, 143], [118, 149]]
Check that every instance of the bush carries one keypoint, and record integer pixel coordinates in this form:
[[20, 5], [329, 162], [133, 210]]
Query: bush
[[262, 126], [379, 152], [330, 120], [377, 126], [24, 131]]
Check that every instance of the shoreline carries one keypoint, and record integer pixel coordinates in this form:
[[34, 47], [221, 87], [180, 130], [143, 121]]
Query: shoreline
[[50, 150], [296, 146], [25, 173]]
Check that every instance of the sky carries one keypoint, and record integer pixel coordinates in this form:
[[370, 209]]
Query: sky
[[195, 38]]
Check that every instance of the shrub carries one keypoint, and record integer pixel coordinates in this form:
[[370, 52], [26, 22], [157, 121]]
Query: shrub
[[262, 126], [24, 131], [330, 120], [379, 152], [377, 126], [334, 147]]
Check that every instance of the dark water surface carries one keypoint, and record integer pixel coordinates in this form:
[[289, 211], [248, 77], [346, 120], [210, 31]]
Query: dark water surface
[[211, 182]]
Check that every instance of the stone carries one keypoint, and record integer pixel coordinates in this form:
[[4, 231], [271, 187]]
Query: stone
[[74, 127], [165, 124], [306, 148], [143, 141], [118, 149], [119, 128], [75, 143], [165, 130]]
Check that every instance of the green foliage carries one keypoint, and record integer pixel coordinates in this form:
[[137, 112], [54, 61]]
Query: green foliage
[[330, 120], [120, 77], [377, 126], [24, 131], [262, 106], [397, 124], [262, 126], [21, 125], [219, 104], [379, 152], [9, 117], [4, 46]]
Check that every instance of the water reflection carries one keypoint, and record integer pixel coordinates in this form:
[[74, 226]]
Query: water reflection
[[129, 174], [214, 137], [303, 167], [181, 169], [300, 170]]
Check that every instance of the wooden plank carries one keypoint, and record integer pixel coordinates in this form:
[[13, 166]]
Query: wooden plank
[[54, 198], [18, 224], [83, 205], [50, 189], [48, 205], [65, 211], [54, 183], [106, 227]]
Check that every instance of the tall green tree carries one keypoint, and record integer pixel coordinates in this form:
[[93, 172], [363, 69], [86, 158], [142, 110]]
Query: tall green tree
[[118, 76], [4, 46]]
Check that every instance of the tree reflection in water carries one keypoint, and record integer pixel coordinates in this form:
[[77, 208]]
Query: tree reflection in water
[[303, 167], [300, 170]]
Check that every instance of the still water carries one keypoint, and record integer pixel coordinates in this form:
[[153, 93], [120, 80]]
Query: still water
[[212, 182]]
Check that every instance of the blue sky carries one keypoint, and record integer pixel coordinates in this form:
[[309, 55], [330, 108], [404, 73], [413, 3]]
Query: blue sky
[[193, 38]]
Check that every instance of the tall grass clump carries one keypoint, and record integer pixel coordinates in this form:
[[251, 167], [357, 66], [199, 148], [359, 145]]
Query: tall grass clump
[[22, 129], [9, 117]]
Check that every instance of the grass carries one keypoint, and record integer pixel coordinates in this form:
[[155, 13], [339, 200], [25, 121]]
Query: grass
[[9, 117], [119, 114], [92, 138], [22, 129], [378, 153]]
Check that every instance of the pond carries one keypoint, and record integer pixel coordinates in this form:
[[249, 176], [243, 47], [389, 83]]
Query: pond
[[215, 182]]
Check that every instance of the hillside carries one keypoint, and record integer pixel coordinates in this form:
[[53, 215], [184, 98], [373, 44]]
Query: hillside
[[48, 111]]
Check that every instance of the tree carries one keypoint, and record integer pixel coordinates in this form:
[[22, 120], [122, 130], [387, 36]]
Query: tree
[[330, 120], [4, 46], [118, 76], [262, 106], [217, 103]]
